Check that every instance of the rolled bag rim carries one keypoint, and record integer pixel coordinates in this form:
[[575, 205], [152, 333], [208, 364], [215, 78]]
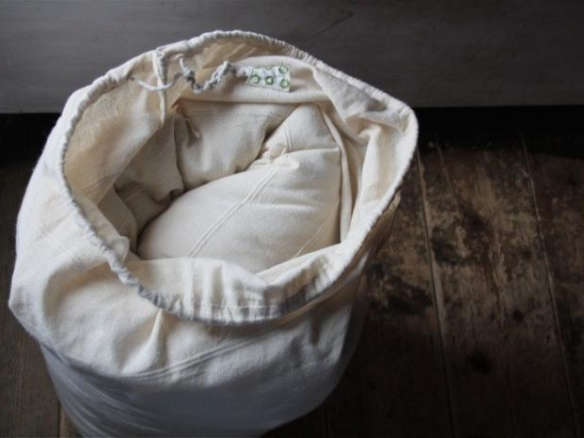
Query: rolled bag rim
[[290, 297]]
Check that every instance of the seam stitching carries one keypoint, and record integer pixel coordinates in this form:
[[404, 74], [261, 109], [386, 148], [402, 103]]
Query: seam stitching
[[200, 244]]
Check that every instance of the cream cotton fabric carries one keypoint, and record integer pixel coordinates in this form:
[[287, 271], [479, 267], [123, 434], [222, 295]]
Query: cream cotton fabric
[[283, 205], [189, 256]]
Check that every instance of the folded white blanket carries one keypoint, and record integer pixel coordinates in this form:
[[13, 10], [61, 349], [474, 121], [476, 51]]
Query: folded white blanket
[[284, 204]]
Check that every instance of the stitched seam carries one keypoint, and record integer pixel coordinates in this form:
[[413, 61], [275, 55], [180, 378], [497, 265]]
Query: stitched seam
[[198, 246]]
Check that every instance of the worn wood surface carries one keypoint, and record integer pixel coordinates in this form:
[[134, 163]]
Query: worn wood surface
[[501, 336], [476, 319], [428, 53], [556, 159]]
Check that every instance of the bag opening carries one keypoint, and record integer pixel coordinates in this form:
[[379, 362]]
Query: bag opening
[[137, 143]]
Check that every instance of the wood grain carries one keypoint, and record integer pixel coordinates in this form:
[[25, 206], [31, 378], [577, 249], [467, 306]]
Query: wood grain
[[555, 148], [501, 340], [28, 403], [427, 53]]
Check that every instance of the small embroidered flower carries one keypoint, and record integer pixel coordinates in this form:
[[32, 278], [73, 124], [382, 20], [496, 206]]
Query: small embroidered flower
[[284, 83], [269, 80]]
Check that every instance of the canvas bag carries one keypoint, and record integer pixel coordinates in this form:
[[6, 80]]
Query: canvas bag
[[191, 242]]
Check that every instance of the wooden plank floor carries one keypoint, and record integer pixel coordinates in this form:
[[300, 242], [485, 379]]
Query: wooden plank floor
[[476, 325]]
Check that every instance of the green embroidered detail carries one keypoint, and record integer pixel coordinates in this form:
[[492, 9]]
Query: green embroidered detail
[[275, 77]]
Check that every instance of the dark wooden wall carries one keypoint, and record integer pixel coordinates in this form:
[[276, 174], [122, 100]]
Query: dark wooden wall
[[428, 53]]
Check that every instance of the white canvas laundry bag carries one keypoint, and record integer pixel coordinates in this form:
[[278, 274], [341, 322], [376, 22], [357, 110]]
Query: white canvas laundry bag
[[191, 242]]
